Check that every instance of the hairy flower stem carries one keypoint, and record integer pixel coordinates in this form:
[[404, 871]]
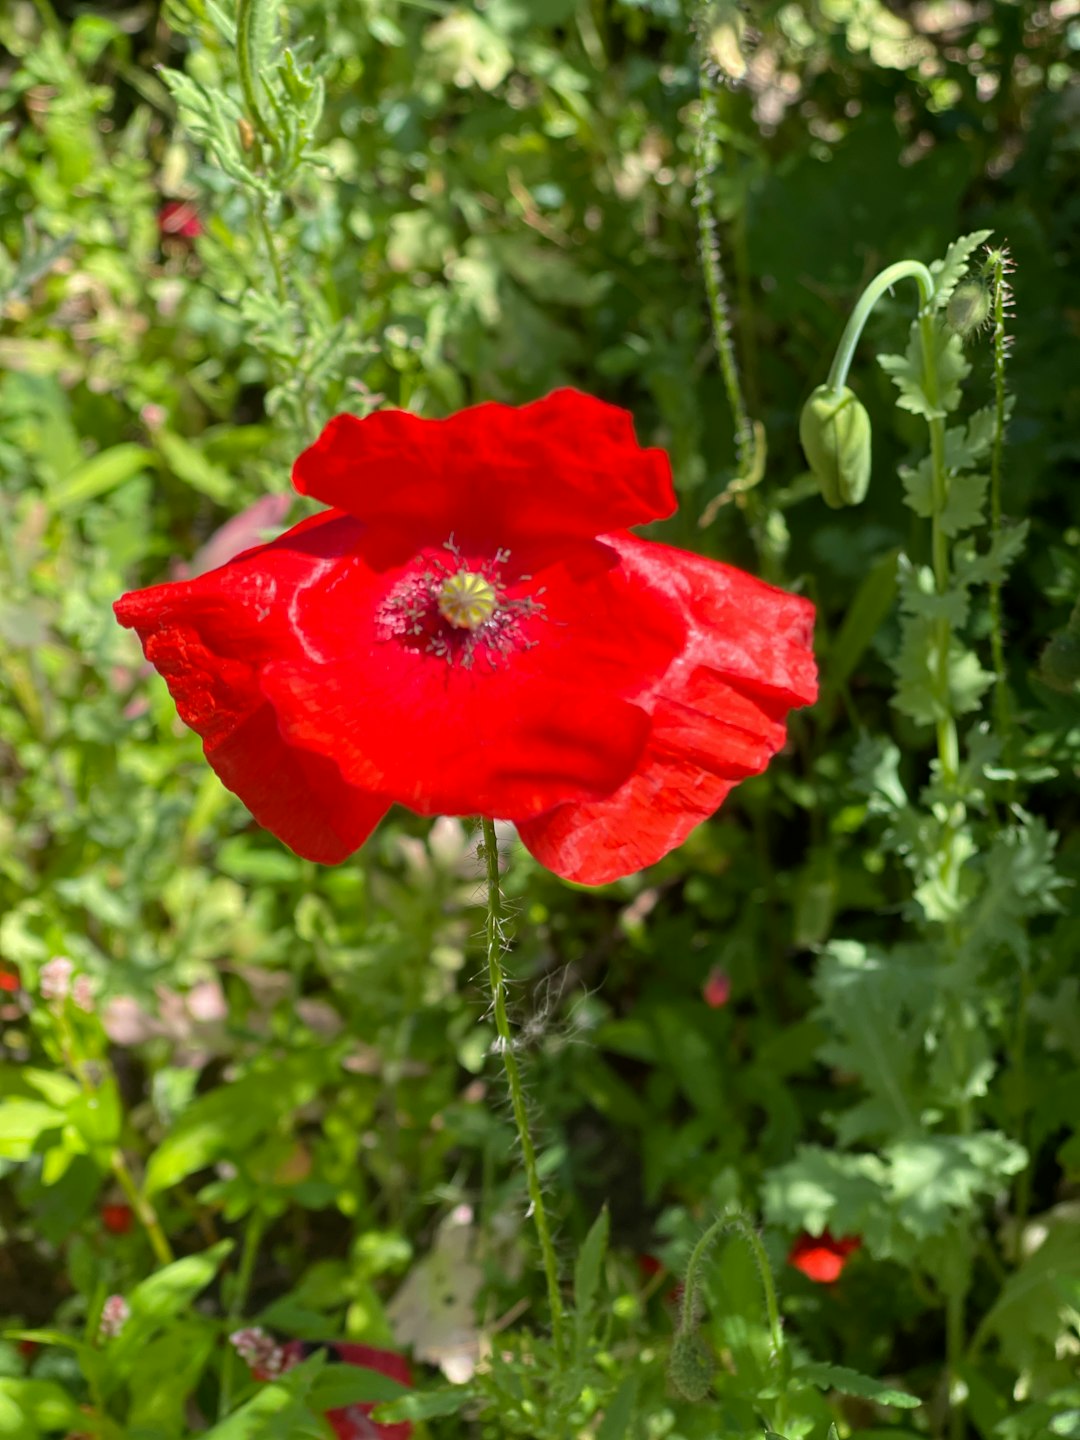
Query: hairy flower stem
[[999, 292], [689, 1314], [497, 981]]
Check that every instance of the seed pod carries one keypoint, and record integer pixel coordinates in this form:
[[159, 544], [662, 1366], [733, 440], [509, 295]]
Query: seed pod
[[835, 432]]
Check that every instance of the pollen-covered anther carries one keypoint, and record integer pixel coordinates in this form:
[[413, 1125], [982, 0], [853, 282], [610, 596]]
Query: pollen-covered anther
[[467, 600]]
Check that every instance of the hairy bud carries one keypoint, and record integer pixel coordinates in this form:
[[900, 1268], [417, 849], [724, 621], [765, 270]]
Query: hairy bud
[[690, 1366], [968, 308], [835, 432]]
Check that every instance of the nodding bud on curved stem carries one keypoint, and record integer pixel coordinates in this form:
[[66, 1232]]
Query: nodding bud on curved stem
[[834, 428]]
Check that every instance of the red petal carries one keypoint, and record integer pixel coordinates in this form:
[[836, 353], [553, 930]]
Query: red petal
[[541, 725], [496, 476], [209, 638], [718, 716], [822, 1259]]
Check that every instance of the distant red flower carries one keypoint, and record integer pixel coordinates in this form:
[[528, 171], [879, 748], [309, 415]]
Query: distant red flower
[[821, 1258], [352, 1422], [716, 992], [178, 219], [9, 980], [471, 629], [117, 1218]]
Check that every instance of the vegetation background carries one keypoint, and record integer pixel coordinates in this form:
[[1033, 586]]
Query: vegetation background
[[263, 1093]]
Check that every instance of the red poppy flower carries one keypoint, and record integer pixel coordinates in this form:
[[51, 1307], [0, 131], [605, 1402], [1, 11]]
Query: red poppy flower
[[117, 1218], [470, 629], [9, 980], [820, 1257], [178, 219]]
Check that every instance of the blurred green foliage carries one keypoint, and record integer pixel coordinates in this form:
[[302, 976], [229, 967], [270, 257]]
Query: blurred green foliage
[[286, 1071]]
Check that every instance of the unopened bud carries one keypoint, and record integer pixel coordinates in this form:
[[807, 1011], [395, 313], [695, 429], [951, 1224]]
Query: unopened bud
[[247, 133], [835, 432], [968, 307], [691, 1367]]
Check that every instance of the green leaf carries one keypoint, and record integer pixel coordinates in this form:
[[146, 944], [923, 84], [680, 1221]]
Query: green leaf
[[1027, 1314], [934, 1178], [909, 376], [870, 605], [161, 1297], [187, 462], [587, 1269], [850, 1382], [824, 1189], [23, 1123], [43, 1405], [869, 1003], [619, 1411], [965, 497], [951, 270], [992, 567], [339, 1385], [100, 474], [425, 1405], [228, 1120]]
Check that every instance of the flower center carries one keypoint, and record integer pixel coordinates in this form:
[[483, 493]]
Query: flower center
[[467, 600], [448, 608]]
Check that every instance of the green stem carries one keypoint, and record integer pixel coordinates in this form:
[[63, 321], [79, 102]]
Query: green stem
[[845, 351], [709, 245], [271, 250], [954, 1350], [997, 644], [147, 1215], [497, 981], [253, 1234]]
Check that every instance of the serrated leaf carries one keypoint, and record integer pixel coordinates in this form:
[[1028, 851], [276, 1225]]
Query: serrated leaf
[[866, 1004], [822, 1189], [919, 596], [990, 568], [908, 372], [968, 680], [934, 1178], [850, 1382], [949, 271]]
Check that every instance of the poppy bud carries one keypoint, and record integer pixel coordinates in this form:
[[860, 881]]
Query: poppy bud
[[691, 1367], [968, 307], [835, 432]]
